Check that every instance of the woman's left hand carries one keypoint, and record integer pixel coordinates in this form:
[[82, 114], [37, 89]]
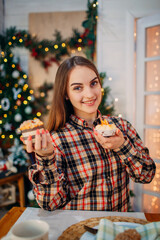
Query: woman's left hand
[[112, 142]]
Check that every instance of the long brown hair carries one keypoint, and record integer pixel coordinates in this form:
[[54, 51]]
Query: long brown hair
[[61, 108]]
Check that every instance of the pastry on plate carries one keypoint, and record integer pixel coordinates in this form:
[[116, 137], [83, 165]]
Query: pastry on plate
[[29, 128], [130, 234], [106, 129]]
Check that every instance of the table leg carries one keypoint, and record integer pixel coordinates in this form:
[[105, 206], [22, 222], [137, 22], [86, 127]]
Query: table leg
[[21, 191]]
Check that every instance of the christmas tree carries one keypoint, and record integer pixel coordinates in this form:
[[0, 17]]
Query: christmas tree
[[17, 102]]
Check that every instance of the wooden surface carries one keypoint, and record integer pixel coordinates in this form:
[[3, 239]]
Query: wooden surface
[[9, 219], [12, 216], [20, 180]]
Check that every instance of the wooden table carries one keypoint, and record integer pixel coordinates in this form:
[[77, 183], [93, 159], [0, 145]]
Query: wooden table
[[19, 178], [12, 216]]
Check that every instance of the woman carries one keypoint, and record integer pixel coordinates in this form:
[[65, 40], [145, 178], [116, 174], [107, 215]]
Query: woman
[[77, 168]]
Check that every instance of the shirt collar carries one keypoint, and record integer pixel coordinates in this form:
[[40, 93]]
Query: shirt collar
[[82, 123]]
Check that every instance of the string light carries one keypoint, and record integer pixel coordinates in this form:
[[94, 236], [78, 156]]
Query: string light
[[24, 76], [38, 114], [5, 60], [14, 38], [46, 49], [25, 102], [10, 43], [55, 46], [79, 49], [63, 44]]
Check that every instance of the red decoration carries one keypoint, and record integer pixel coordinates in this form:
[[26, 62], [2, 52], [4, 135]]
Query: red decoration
[[34, 53]]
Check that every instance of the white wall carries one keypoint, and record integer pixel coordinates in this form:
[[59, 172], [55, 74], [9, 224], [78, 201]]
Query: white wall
[[1, 16], [115, 46]]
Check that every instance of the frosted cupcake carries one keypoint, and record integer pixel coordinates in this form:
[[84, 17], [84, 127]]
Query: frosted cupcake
[[106, 129], [29, 128]]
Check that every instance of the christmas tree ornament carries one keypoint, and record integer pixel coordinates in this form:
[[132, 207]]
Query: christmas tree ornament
[[7, 126], [18, 117], [21, 81], [28, 110], [5, 103], [16, 92], [15, 74]]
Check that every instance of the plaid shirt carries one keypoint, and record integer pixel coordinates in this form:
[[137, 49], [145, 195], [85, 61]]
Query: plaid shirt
[[82, 175]]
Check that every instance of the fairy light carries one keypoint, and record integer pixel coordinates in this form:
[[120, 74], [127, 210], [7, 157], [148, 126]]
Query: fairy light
[[42, 94], [11, 136], [5, 60], [5, 115], [46, 49], [29, 98], [79, 49], [10, 43], [14, 38], [19, 95], [20, 40], [63, 44], [38, 114], [79, 40], [15, 107], [16, 85], [7, 84], [24, 76], [11, 55], [31, 91], [3, 136], [1, 121], [25, 102], [55, 46], [0, 91], [13, 65]]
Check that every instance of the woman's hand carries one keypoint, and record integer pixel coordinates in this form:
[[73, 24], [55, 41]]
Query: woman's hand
[[112, 142], [43, 145]]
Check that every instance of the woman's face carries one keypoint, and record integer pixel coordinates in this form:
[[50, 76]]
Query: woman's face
[[84, 92]]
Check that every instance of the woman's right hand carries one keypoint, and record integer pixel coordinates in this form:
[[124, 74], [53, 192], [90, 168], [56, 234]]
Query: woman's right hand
[[43, 145]]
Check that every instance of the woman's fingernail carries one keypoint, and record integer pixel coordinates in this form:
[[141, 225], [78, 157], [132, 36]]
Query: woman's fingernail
[[38, 132], [43, 131], [21, 138], [30, 138], [95, 133]]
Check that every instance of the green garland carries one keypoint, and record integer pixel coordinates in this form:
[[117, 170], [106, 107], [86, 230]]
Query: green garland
[[58, 47]]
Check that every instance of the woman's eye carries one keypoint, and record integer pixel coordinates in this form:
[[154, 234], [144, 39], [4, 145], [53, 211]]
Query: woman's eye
[[94, 83], [77, 88]]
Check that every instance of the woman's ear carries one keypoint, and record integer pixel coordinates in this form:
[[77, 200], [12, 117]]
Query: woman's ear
[[66, 97]]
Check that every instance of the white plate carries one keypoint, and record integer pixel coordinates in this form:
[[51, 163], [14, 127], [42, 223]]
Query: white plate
[[90, 236]]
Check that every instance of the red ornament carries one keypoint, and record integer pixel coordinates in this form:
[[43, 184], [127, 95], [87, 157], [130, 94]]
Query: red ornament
[[18, 67], [27, 43], [90, 42], [34, 53]]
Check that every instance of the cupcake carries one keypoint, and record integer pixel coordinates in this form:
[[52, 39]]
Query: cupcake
[[106, 129], [29, 127]]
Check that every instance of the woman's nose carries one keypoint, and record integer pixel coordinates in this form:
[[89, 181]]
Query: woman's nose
[[89, 93]]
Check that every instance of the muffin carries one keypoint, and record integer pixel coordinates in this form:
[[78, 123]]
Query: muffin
[[106, 129], [29, 127], [130, 234]]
